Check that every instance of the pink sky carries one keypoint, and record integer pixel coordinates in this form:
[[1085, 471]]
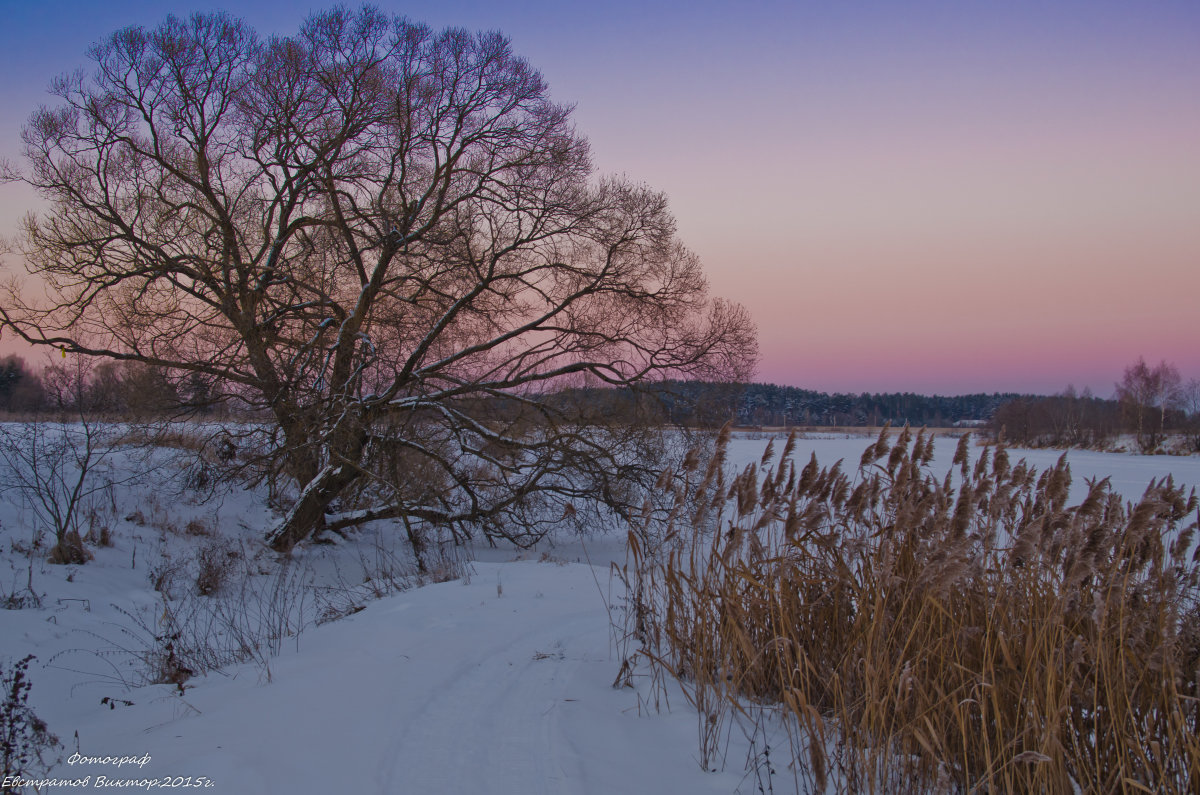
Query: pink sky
[[946, 198]]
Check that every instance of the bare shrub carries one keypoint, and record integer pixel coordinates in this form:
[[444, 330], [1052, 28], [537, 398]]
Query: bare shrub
[[165, 573], [101, 536], [54, 466], [248, 618], [215, 564], [197, 527], [21, 598], [907, 633], [25, 739], [70, 550]]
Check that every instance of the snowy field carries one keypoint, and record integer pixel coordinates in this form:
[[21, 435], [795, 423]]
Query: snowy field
[[497, 681]]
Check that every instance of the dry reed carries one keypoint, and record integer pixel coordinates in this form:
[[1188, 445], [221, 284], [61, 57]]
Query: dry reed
[[914, 634]]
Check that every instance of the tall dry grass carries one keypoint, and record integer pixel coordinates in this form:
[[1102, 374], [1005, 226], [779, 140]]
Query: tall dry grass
[[907, 633]]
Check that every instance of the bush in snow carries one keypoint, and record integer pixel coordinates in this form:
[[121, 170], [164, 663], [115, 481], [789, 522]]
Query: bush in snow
[[24, 738], [54, 465]]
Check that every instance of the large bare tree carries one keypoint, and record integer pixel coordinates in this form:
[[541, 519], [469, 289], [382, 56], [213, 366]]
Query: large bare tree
[[387, 239]]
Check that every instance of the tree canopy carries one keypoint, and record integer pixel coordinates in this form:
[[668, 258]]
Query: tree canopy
[[369, 232]]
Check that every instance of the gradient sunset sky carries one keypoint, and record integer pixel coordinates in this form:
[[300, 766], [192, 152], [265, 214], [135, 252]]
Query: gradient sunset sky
[[939, 197]]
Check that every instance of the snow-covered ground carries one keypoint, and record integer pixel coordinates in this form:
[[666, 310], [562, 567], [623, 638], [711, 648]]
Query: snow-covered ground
[[497, 681], [498, 685]]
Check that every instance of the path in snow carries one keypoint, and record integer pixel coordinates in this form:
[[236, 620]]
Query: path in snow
[[451, 688]]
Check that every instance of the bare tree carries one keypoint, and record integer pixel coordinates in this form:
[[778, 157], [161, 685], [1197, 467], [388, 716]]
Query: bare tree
[[1147, 394], [388, 240], [1190, 405]]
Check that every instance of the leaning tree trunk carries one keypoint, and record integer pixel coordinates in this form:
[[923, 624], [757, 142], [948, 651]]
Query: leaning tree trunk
[[346, 445], [342, 447], [308, 513]]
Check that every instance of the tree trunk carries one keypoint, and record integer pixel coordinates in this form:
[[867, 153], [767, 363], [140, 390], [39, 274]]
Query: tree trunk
[[309, 511]]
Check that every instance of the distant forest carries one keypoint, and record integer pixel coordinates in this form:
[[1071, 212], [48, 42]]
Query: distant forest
[[707, 403], [769, 404]]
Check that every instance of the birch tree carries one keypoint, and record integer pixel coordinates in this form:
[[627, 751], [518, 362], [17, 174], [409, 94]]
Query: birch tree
[[1146, 394]]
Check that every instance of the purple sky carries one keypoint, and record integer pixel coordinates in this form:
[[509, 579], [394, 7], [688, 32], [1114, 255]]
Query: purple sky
[[934, 197]]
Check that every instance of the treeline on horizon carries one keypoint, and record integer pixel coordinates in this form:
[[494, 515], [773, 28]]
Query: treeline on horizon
[[131, 388], [1152, 405], [706, 403], [1148, 411]]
